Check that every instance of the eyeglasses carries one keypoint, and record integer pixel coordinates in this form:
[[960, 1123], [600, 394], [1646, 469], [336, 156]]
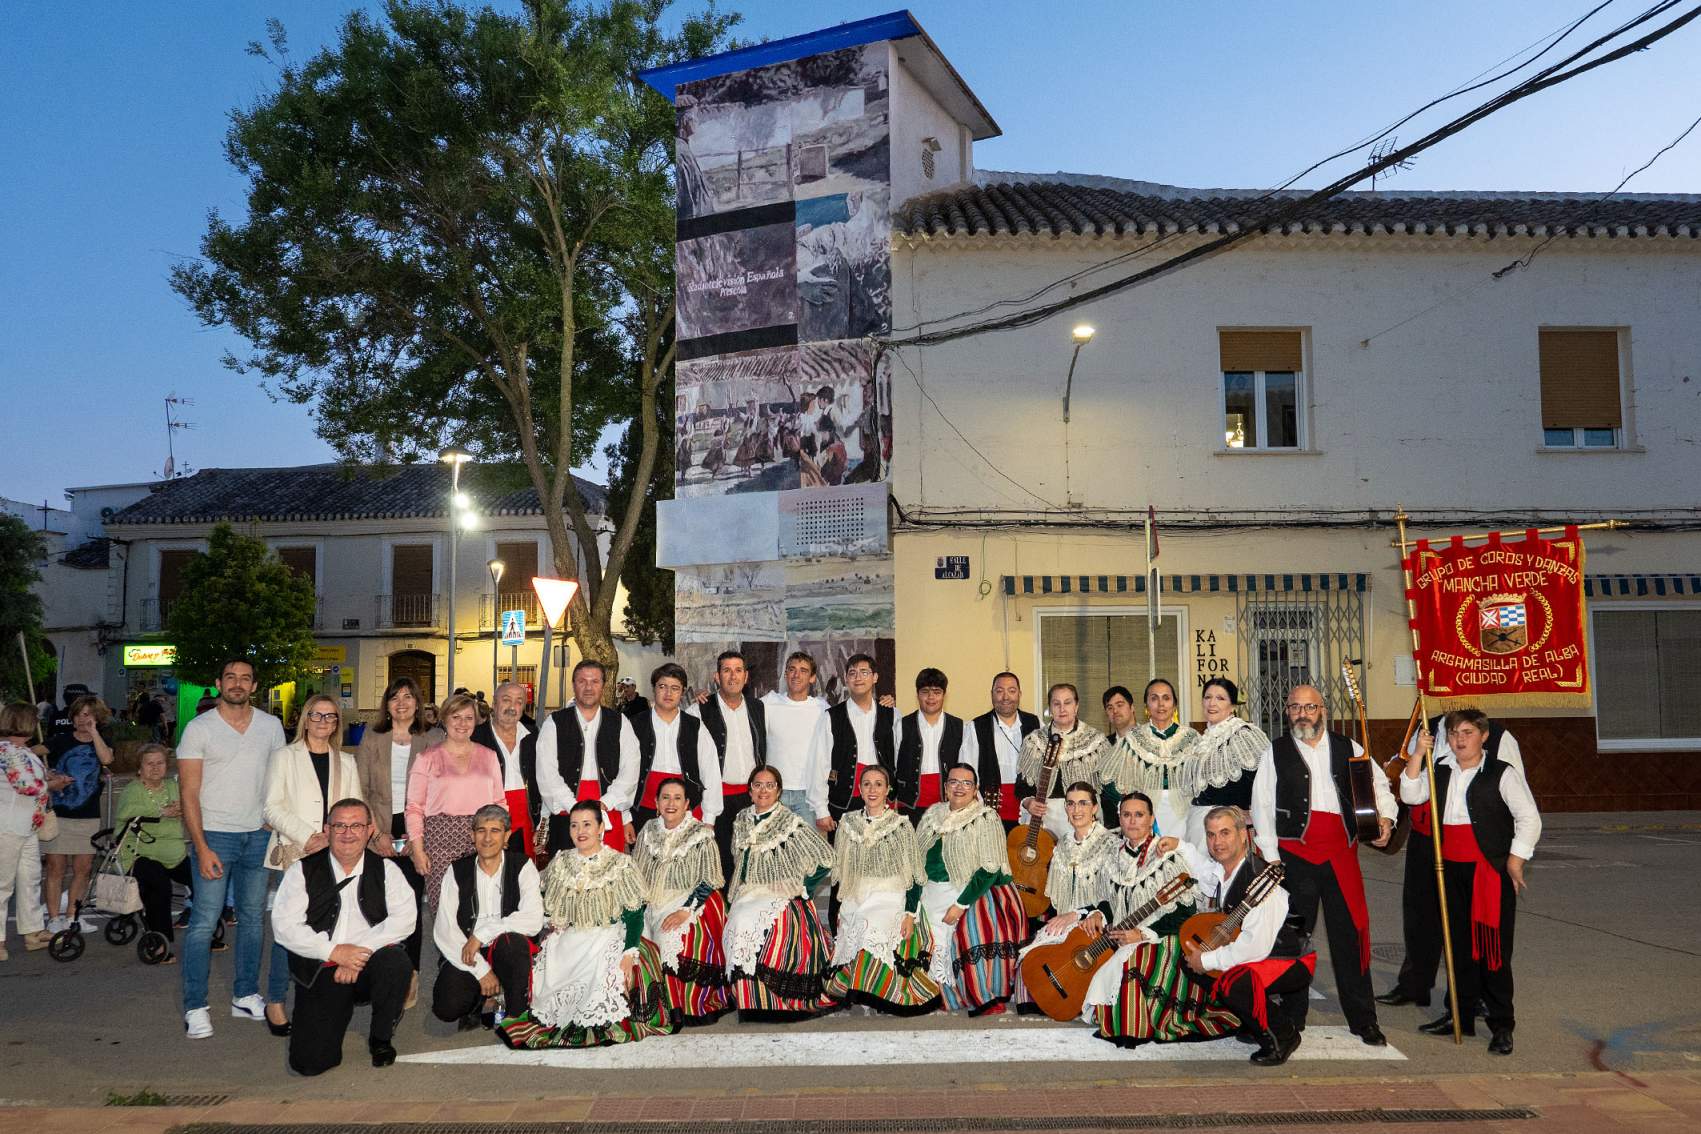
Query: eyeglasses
[[346, 828], [960, 782], [1077, 803], [322, 717], [1304, 710]]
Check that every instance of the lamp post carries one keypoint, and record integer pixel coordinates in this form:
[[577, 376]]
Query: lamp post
[[1082, 334], [454, 456], [495, 567], [554, 596]]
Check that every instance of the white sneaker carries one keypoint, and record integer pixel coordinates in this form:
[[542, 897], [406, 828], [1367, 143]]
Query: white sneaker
[[250, 1007], [87, 924], [198, 1023], [58, 924]]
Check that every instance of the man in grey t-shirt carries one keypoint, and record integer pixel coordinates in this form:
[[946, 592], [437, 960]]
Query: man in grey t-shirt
[[221, 766]]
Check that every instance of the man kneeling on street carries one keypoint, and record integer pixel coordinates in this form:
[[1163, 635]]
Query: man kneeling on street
[[343, 914], [490, 909]]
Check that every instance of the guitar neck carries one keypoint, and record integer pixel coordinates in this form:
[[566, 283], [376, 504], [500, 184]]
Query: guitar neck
[[1132, 921], [1042, 788]]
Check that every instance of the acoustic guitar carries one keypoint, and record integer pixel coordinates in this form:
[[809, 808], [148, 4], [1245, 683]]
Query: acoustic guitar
[[1030, 847], [1362, 770], [1214, 930], [1057, 976]]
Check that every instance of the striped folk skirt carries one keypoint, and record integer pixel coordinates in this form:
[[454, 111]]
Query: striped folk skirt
[[874, 963], [649, 1015], [693, 960], [790, 969], [1158, 999], [979, 968]]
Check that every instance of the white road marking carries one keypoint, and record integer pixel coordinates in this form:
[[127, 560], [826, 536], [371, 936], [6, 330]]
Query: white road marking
[[882, 1048]]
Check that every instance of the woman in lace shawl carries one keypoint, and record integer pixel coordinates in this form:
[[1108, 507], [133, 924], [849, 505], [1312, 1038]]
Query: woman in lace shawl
[[881, 949], [777, 951], [1155, 759], [1145, 991], [972, 909], [1083, 748], [685, 914], [1075, 880], [595, 980], [1225, 757]]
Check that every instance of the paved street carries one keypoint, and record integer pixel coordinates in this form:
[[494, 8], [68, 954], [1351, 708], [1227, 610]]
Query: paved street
[[1609, 982]]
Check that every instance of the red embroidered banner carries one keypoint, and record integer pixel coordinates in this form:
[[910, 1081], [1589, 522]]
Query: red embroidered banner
[[1502, 622]]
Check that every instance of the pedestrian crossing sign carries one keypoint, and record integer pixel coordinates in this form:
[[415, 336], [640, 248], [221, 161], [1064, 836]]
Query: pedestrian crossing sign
[[513, 627]]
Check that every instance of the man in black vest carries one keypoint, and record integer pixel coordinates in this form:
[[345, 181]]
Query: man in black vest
[[671, 743], [587, 751], [513, 737], [490, 909], [1266, 970], [929, 741], [998, 738], [864, 732], [737, 726], [1302, 808], [342, 914], [1489, 830], [1419, 898]]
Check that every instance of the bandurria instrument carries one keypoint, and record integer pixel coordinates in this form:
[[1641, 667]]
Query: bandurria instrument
[[1058, 976], [1361, 769], [1214, 930], [1030, 847]]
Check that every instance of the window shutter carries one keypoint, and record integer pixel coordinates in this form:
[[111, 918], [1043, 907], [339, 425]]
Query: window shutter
[[302, 561], [1579, 371], [410, 570], [171, 565], [1260, 350], [519, 561]]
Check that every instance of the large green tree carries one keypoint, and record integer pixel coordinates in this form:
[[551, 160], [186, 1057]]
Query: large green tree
[[21, 552], [241, 601], [460, 230]]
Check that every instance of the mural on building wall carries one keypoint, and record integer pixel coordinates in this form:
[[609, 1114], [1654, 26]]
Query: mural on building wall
[[784, 269]]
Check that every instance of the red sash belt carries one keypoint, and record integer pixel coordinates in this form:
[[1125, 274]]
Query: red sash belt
[[856, 780], [1262, 974], [652, 785], [1007, 803], [1420, 819], [1459, 844], [614, 835], [1325, 841], [927, 791], [520, 816]]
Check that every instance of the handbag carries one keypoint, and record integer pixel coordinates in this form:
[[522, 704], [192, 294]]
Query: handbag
[[49, 829], [117, 894]]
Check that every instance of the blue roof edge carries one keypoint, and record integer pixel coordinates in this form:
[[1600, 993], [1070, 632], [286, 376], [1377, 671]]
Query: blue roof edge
[[892, 25]]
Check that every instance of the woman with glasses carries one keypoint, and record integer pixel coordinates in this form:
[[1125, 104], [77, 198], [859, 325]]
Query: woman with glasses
[[777, 951], [880, 947], [1155, 759], [972, 909], [1225, 757], [685, 914], [303, 780], [1145, 991]]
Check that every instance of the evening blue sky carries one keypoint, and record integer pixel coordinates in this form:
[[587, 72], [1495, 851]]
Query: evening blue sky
[[112, 118]]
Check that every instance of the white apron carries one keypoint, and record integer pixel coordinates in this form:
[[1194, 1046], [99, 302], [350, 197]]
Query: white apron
[[576, 978]]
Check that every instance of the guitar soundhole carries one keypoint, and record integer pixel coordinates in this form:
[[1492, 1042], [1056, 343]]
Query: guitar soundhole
[[1029, 854], [1083, 960]]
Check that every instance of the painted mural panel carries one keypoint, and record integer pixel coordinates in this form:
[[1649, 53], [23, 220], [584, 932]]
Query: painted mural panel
[[844, 266], [735, 423], [844, 418], [731, 602], [836, 598], [737, 281]]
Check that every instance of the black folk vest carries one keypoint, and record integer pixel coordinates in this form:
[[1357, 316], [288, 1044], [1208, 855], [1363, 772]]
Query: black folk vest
[[715, 721], [570, 746], [690, 728], [325, 902], [1491, 819], [908, 768], [986, 737], [1293, 785], [841, 774], [466, 888], [1291, 940]]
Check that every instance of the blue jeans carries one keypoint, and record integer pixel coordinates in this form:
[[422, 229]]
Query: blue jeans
[[242, 886], [797, 800]]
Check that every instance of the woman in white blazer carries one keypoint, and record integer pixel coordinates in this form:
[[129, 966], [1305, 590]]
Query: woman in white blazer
[[303, 781]]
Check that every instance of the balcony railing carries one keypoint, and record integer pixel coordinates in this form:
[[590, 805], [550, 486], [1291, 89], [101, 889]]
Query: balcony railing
[[409, 610], [491, 607]]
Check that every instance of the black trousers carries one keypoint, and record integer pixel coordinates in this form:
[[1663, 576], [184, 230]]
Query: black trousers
[[723, 830], [1285, 1001], [153, 882], [1477, 982], [1420, 920], [398, 829], [456, 993], [1313, 885], [324, 1008]]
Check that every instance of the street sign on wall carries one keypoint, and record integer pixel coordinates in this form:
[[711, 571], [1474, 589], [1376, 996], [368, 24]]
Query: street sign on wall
[[513, 627]]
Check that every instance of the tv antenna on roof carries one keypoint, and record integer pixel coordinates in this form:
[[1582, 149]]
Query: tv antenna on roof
[[1382, 150], [172, 425]]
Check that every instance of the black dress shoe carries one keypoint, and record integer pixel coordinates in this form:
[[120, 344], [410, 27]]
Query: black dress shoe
[[1372, 1037], [1443, 1026], [1278, 1050], [1501, 1044], [1398, 999], [468, 1023], [382, 1053], [280, 1030]]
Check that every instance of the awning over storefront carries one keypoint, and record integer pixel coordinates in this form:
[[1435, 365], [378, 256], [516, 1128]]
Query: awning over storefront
[[1640, 586], [1180, 584]]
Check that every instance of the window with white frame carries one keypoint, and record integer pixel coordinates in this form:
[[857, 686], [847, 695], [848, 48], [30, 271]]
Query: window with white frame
[[1263, 389], [1095, 648], [1581, 388], [1647, 666]]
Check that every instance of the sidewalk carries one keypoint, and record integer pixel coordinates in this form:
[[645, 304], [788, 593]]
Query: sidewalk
[[1588, 1103]]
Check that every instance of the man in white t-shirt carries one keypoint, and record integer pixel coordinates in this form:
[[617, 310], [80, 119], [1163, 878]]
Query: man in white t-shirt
[[800, 742], [221, 767]]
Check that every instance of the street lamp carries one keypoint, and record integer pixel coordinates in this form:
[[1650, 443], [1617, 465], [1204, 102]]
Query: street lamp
[[496, 567], [454, 456], [554, 596], [1082, 334]]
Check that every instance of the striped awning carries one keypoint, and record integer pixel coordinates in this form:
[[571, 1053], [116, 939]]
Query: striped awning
[[1180, 584], [1640, 586]]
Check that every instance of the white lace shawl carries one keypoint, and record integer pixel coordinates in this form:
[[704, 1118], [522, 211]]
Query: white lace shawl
[[784, 852], [582, 892], [1140, 761], [868, 852], [1082, 749], [1074, 879], [678, 861], [1227, 750], [971, 839], [1128, 885]]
